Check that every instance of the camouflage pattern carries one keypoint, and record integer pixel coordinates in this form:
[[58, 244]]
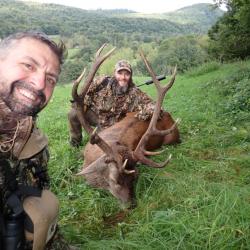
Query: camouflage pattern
[[15, 134], [123, 65], [104, 99], [34, 171]]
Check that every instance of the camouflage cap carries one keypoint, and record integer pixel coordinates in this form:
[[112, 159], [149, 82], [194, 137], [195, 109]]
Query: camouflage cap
[[123, 65]]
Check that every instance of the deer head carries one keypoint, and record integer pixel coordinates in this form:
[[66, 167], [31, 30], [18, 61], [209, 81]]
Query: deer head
[[113, 167]]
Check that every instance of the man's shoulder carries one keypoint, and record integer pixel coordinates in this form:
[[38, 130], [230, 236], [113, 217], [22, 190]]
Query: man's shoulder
[[134, 90], [101, 80], [139, 94], [99, 83]]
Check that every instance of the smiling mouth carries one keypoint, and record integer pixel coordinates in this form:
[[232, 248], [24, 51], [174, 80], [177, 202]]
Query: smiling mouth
[[28, 94]]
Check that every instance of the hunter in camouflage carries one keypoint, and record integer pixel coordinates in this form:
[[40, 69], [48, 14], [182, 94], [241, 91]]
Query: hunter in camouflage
[[29, 69], [109, 99]]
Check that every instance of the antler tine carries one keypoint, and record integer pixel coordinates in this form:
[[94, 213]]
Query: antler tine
[[76, 84], [78, 80], [155, 80], [140, 152], [79, 99], [167, 131], [150, 70], [100, 50], [171, 81], [141, 158], [98, 61]]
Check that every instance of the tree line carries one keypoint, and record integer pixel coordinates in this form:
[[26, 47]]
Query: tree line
[[185, 40]]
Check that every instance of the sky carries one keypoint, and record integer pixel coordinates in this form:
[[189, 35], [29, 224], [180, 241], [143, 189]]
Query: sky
[[144, 6]]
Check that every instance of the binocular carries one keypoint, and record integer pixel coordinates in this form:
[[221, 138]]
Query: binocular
[[12, 235]]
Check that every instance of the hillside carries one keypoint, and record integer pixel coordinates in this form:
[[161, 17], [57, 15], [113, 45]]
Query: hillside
[[197, 14], [201, 16], [110, 26]]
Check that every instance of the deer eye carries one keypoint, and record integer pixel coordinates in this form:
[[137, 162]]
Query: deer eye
[[108, 159]]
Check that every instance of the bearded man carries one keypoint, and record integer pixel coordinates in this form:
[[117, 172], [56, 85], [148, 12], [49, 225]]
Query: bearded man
[[30, 64], [108, 101]]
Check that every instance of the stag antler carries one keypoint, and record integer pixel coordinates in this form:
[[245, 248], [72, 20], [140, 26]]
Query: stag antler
[[140, 152], [79, 100]]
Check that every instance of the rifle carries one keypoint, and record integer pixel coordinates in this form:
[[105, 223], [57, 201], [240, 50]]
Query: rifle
[[159, 78]]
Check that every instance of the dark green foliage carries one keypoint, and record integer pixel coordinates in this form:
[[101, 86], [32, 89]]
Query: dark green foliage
[[230, 36], [71, 70], [235, 93], [184, 51]]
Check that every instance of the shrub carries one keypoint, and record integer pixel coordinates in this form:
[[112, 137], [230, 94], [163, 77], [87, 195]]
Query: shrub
[[235, 94]]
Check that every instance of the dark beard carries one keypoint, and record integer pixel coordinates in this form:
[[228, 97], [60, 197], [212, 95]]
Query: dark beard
[[20, 107], [121, 90]]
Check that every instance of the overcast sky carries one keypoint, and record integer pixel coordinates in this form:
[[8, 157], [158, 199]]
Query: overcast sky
[[145, 6]]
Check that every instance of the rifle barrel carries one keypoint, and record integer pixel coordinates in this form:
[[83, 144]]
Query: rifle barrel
[[150, 81]]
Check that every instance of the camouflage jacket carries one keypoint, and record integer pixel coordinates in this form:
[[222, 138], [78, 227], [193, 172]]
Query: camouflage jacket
[[24, 148], [111, 107]]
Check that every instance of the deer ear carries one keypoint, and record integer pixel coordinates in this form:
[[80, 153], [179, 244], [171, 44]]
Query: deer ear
[[87, 170], [114, 186], [113, 174], [95, 166]]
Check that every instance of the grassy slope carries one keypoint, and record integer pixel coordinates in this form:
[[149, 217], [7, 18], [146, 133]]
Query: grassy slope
[[199, 201]]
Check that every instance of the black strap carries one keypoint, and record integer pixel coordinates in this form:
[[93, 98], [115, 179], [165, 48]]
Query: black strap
[[15, 204], [14, 201], [1, 225], [14, 196], [103, 84]]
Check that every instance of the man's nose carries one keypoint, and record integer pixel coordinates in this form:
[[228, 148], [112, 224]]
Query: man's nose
[[123, 76], [38, 80]]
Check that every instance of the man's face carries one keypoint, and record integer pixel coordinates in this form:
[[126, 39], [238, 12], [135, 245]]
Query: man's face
[[123, 77], [28, 74]]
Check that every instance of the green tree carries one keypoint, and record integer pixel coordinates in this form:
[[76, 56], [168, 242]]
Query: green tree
[[230, 36], [183, 51]]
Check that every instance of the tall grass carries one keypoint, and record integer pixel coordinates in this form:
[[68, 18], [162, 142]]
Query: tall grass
[[203, 69], [201, 200]]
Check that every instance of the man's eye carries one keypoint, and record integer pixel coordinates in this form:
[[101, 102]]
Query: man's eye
[[28, 66], [51, 81]]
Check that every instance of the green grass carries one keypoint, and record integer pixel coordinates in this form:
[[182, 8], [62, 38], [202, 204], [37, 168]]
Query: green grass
[[204, 68], [201, 200]]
